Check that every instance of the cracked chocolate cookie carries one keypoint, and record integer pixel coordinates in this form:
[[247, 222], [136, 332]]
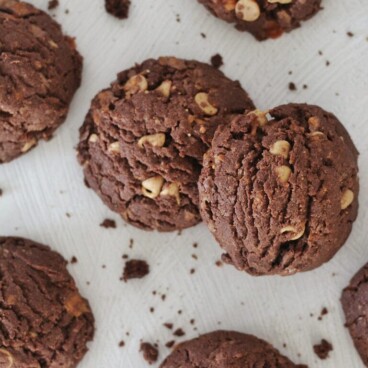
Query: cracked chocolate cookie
[[280, 191], [264, 18], [355, 304], [44, 322], [40, 70], [143, 140], [227, 349]]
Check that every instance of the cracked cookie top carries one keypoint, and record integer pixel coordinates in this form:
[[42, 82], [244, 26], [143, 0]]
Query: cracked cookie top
[[279, 191], [40, 70], [355, 304], [264, 18], [44, 322], [143, 140], [226, 349]]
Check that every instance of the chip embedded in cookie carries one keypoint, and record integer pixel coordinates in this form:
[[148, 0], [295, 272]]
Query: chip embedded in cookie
[[143, 140], [264, 18], [227, 349], [355, 304], [279, 191], [40, 72], [45, 321]]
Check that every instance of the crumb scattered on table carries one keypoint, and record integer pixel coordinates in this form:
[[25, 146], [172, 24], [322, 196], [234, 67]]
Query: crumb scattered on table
[[217, 61], [135, 269], [150, 352], [323, 349], [108, 224]]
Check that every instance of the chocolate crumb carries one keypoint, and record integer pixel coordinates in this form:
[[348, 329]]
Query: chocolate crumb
[[219, 263], [68, 215], [323, 349], [73, 260], [169, 326], [53, 4], [192, 321], [118, 8], [108, 224], [292, 86], [192, 271], [180, 311], [203, 35], [324, 311], [125, 256], [1, 192], [305, 86], [217, 61], [152, 310], [135, 269], [179, 332], [121, 344], [163, 297], [195, 245], [170, 344], [327, 63], [350, 34], [131, 243], [178, 18], [150, 352]]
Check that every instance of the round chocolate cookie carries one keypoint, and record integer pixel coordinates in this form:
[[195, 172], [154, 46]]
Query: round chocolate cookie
[[264, 18], [279, 191], [355, 304], [143, 140], [44, 320], [223, 349], [40, 70]]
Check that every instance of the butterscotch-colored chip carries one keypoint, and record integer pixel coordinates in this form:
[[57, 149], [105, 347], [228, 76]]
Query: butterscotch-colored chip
[[151, 187], [281, 148], [347, 199], [76, 305], [247, 10], [155, 140], [136, 84], [202, 101], [283, 173]]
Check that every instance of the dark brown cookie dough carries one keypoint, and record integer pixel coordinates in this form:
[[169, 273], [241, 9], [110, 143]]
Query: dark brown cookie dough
[[143, 140], [44, 322], [355, 304], [40, 70], [118, 8], [280, 194], [226, 349], [264, 18]]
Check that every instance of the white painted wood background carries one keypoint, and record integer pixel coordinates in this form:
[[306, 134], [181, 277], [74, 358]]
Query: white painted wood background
[[41, 187]]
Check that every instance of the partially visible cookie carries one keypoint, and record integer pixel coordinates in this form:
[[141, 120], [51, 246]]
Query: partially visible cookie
[[280, 191], [44, 320], [264, 18], [143, 140], [355, 304], [40, 70], [222, 349]]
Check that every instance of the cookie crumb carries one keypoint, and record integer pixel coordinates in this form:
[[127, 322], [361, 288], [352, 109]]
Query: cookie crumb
[[170, 344], [179, 332], [74, 260], [121, 344], [192, 271], [53, 4], [203, 35], [323, 349], [169, 326], [135, 269], [350, 34], [150, 352], [292, 86], [219, 263], [108, 224], [324, 311], [217, 61], [118, 8]]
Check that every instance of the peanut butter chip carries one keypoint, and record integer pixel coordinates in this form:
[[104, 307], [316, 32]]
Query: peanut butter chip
[[201, 100], [155, 140], [151, 187], [293, 231], [137, 83], [280, 1], [261, 116], [314, 123], [347, 199], [114, 147], [27, 146], [281, 148], [93, 138], [164, 88], [6, 359], [283, 173], [171, 189], [247, 10], [76, 306]]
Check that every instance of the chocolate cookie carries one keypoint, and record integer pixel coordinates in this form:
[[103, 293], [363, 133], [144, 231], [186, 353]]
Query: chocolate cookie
[[40, 70], [44, 320], [143, 140], [280, 194], [355, 304], [264, 18], [222, 349]]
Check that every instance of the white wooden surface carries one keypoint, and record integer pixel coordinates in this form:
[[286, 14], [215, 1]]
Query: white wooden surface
[[41, 187]]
